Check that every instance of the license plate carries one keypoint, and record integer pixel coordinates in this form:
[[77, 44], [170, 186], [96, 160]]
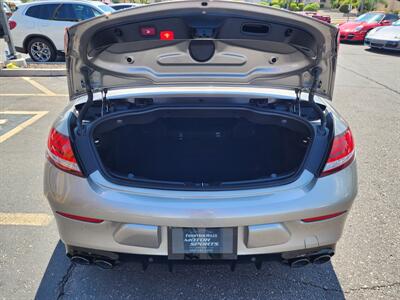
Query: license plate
[[202, 243]]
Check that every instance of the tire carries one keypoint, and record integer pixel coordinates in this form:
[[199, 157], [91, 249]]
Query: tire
[[41, 50]]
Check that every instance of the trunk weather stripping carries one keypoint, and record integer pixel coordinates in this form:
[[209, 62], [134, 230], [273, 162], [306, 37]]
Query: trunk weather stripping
[[316, 72], [85, 72], [297, 106], [105, 104]]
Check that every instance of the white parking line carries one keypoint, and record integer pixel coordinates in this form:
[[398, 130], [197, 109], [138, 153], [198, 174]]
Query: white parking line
[[15, 130], [25, 219], [40, 87], [3, 121]]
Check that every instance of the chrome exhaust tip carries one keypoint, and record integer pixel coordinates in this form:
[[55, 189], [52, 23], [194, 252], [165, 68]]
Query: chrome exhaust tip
[[80, 260], [103, 264], [319, 260], [297, 263]]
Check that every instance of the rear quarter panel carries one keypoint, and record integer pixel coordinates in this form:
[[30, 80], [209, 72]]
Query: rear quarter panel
[[25, 26]]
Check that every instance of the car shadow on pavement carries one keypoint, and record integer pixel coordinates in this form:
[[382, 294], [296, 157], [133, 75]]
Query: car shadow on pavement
[[63, 280], [383, 52], [353, 43], [60, 59]]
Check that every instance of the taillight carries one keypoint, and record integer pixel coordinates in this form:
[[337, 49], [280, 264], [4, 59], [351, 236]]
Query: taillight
[[342, 153], [12, 24], [60, 153]]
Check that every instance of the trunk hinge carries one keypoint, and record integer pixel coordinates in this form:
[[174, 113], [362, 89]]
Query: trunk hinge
[[80, 126], [297, 105], [316, 72], [105, 104]]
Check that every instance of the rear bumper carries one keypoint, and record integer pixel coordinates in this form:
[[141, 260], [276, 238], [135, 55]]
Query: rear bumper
[[382, 44], [352, 36], [137, 220]]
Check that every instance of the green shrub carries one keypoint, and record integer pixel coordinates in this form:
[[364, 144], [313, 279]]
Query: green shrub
[[339, 3], [344, 8], [335, 3], [293, 6], [300, 6], [311, 7], [276, 2], [264, 3]]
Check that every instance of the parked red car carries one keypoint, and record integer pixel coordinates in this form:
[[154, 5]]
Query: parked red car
[[357, 30], [315, 15]]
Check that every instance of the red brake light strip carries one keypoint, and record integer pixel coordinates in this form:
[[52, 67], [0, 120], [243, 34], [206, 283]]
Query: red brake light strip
[[79, 218], [325, 217]]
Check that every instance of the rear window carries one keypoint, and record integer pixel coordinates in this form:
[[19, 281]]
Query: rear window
[[391, 17], [75, 12], [45, 11], [106, 8], [122, 7]]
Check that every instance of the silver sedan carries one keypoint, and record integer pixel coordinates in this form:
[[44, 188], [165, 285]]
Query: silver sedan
[[199, 130]]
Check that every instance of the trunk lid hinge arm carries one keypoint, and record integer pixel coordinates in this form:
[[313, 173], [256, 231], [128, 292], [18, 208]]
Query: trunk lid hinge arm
[[316, 72], [105, 105], [297, 106], [80, 128]]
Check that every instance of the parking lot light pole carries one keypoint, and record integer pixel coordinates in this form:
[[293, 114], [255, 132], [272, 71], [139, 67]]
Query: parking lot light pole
[[7, 36]]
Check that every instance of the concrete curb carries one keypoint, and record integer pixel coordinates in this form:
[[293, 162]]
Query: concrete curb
[[32, 72]]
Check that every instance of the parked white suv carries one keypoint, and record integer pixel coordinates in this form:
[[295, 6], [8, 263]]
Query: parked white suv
[[38, 27]]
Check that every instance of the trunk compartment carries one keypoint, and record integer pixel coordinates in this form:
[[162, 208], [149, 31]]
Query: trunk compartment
[[202, 147]]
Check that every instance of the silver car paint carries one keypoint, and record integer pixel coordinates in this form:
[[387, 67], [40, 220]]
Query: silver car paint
[[383, 34], [284, 206], [148, 212], [108, 67], [137, 219]]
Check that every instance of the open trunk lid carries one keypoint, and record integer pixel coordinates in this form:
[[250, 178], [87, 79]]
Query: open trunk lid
[[202, 43]]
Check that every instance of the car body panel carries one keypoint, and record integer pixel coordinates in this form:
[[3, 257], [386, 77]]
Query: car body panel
[[357, 30], [136, 220], [285, 205], [315, 15], [147, 213], [387, 37], [53, 30], [234, 62], [348, 32], [120, 6]]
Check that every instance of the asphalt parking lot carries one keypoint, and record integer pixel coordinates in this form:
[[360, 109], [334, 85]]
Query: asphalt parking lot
[[367, 263]]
